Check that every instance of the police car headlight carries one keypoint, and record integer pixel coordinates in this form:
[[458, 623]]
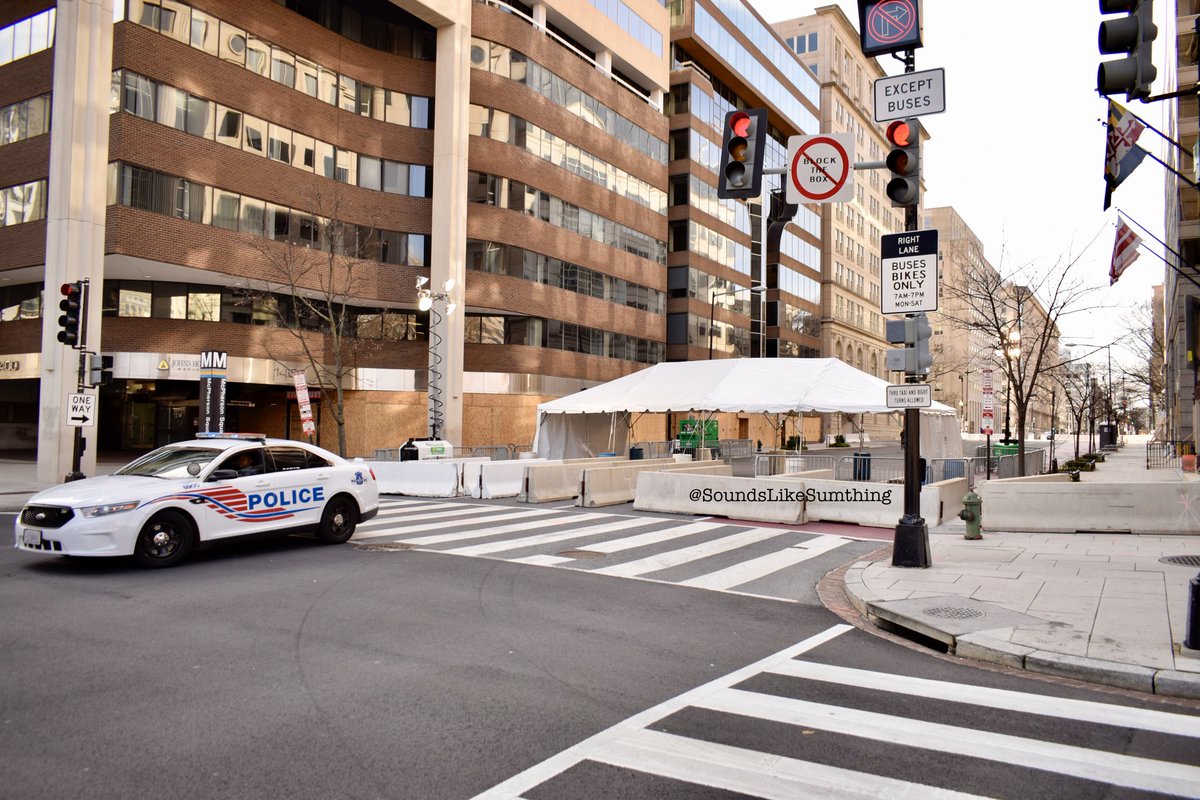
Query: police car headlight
[[109, 508]]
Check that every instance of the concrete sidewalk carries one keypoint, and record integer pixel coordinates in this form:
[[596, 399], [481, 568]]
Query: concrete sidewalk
[[1098, 607]]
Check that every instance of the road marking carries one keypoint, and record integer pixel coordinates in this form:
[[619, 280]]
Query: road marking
[[479, 533], [762, 566], [674, 558], [1080, 762], [541, 561], [512, 788], [1060, 707], [753, 773], [542, 538], [653, 537]]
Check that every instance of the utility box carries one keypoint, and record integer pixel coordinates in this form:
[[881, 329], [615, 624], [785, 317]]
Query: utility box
[[426, 450]]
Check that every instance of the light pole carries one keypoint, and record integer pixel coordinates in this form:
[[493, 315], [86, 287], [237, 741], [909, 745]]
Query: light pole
[[426, 298], [753, 288], [1010, 348]]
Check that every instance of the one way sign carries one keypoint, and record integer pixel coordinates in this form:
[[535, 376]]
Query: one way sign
[[81, 410]]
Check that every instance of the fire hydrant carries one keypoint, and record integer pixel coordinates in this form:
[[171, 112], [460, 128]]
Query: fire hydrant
[[972, 514]]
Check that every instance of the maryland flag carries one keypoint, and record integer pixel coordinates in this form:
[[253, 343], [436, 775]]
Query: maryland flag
[[1122, 154], [1124, 251]]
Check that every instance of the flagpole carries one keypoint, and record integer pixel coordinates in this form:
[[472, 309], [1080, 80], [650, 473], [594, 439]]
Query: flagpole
[[1156, 130], [1165, 247]]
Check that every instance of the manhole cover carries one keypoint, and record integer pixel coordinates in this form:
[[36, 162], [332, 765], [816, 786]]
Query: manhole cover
[[580, 554], [384, 546], [1182, 561], [953, 612]]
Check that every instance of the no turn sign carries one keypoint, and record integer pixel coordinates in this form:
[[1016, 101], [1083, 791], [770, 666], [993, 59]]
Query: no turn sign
[[820, 168]]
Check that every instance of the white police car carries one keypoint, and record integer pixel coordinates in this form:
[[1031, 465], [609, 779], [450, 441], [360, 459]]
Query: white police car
[[159, 507]]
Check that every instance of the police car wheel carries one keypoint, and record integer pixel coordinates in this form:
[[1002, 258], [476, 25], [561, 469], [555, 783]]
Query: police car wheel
[[338, 521], [164, 541]]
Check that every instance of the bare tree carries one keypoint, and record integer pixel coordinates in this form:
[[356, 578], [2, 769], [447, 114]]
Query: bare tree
[[1078, 392], [316, 265], [1145, 342], [1022, 313]]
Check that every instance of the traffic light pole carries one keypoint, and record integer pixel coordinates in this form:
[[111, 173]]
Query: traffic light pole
[[910, 542], [77, 448]]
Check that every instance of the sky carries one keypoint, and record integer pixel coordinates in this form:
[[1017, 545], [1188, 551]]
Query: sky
[[1019, 151]]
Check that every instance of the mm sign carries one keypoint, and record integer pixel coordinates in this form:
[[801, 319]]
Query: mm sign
[[820, 168], [911, 395]]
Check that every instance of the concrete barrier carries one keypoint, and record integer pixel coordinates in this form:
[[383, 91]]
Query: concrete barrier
[[678, 492], [609, 486], [942, 500], [497, 478], [815, 474], [417, 478], [1040, 506], [860, 502], [544, 483]]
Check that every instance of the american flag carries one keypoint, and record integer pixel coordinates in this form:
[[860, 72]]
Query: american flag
[[1124, 251]]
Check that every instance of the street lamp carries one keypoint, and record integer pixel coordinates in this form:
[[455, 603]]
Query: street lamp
[[426, 300], [753, 288], [1010, 348]]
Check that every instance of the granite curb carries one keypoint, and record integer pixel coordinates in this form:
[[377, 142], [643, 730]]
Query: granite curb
[[978, 646]]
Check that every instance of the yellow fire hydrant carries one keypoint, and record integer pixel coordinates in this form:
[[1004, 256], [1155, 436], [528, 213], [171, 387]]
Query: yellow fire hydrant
[[972, 513]]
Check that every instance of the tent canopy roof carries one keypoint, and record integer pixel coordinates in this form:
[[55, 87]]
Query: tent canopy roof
[[768, 385]]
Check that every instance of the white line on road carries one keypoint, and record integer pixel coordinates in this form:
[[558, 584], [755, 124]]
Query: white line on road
[[762, 566], [674, 558], [1080, 762], [512, 788]]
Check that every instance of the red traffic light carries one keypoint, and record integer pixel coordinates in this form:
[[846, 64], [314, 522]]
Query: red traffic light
[[69, 289], [739, 121], [900, 133]]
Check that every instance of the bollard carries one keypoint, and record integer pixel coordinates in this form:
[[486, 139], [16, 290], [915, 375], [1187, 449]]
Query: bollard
[[972, 513], [1191, 637]]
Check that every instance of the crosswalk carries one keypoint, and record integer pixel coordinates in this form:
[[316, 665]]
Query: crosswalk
[[824, 730], [708, 554]]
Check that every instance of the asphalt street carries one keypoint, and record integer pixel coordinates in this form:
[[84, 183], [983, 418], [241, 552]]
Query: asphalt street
[[282, 668]]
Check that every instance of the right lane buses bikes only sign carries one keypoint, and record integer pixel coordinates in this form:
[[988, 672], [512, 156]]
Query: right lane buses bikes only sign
[[910, 272]]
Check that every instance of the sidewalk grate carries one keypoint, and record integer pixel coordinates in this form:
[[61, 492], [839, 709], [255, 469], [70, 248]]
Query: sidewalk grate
[[1182, 561], [952, 612]]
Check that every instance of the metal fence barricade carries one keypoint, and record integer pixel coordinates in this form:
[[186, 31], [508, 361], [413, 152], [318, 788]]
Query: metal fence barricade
[[782, 463], [387, 454], [1167, 454]]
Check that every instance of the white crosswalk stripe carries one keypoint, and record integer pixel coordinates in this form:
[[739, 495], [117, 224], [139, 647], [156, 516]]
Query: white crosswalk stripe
[[813, 770], [510, 533]]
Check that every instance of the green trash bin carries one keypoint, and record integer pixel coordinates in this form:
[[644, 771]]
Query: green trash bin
[[1004, 450]]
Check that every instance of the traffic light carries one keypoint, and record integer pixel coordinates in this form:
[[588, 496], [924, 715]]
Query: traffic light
[[742, 152], [904, 160], [1133, 34], [913, 332], [72, 306], [100, 370]]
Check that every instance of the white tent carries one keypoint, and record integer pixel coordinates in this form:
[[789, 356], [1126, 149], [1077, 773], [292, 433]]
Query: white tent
[[591, 421]]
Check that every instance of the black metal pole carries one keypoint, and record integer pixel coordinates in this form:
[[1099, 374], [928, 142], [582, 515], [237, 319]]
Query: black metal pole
[[910, 543], [81, 344]]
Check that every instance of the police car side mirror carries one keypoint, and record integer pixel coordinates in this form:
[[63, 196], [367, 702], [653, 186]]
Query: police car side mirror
[[223, 475]]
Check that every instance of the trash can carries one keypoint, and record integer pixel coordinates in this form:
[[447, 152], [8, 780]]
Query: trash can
[[1108, 435], [408, 451], [636, 454], [862, 466]]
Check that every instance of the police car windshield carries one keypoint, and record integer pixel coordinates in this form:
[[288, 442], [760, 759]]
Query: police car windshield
[[171, 462]]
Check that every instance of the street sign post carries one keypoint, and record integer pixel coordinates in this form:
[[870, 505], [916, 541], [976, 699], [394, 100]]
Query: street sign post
[[820, 168], [81, 410], [911, 395], [910, 272]]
